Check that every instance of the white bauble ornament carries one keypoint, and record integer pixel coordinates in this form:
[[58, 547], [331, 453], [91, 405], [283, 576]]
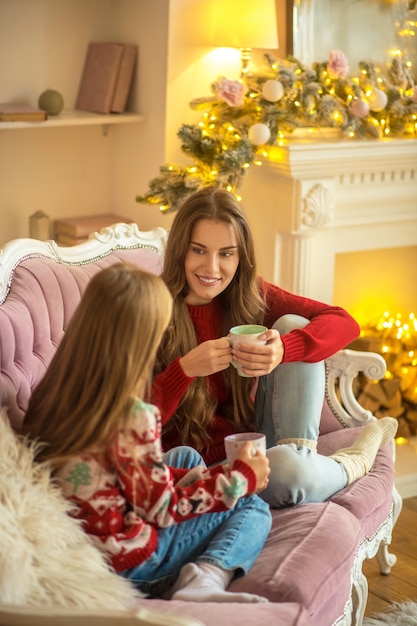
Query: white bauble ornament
[[377, 100], [272, 90], [259, 134], [359, 108]]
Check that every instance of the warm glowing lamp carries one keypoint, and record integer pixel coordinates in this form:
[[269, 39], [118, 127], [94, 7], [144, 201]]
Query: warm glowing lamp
[[243, 24]]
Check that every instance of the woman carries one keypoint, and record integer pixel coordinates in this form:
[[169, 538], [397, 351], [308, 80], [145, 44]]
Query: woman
[[151, 520], [210, 270]]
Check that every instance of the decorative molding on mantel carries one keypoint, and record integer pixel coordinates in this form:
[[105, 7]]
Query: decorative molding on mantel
[[315, 200], [336, 158], [318, 208]]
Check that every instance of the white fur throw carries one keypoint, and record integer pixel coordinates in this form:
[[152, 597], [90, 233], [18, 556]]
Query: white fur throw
[[46, 559]]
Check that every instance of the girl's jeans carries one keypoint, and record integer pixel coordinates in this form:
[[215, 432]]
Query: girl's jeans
[[231, 540], [288, 406]]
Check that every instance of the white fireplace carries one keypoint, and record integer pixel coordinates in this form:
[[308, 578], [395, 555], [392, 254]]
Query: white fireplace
[[318, 199]]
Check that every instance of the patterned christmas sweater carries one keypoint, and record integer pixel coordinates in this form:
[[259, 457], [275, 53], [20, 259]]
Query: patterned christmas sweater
[[126, 493]]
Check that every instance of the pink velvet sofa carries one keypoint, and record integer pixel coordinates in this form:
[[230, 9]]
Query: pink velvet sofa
[[311, 566]]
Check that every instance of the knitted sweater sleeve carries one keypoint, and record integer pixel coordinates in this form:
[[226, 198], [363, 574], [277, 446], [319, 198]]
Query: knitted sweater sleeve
[[331, 328], [157, 496], [168, 389], [124, 497]]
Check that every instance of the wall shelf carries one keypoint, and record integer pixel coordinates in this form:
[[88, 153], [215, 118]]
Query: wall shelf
[[68, 167], [78, 118]]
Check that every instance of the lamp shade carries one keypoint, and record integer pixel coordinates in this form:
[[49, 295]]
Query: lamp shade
[[242, 24]]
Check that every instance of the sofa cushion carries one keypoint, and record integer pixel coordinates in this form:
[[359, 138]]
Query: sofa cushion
[[368, 499], [307, 559], [328, 421]]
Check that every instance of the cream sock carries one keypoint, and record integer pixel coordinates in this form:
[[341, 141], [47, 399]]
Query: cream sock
[[203, 582], [358, 458]]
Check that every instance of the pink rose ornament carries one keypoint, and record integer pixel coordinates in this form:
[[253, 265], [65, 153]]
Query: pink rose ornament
[[337, 66], [231, 91]]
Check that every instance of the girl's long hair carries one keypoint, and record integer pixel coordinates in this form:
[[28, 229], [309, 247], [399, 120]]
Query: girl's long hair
[[104, 360], [241, 303]]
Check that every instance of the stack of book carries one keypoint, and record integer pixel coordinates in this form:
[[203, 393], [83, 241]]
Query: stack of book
[[107, 77], [75, 230], [21, 112]]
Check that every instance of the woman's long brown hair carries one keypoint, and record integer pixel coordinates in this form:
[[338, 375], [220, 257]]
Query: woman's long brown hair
[[241, 303], [104, 360]]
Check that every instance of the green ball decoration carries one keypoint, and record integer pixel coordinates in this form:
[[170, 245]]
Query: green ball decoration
[[51, 101]]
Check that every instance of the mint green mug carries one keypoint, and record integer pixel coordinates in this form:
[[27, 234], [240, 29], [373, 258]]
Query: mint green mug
[[246, 333]]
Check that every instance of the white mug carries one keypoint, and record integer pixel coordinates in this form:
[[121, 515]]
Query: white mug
[[233, 444], [246, 333]]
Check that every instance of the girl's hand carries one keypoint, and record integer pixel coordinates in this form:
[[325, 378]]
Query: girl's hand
[[258, 360], [207, 358], [259, 464]]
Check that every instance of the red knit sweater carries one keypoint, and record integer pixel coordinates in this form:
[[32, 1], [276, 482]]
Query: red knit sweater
[[331, 328]]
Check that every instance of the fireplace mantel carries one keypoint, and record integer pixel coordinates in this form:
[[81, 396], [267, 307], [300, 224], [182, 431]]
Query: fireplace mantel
[[315, 199], [305, 158]]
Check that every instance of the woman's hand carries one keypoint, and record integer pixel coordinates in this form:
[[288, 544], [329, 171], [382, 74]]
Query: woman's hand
[[207, 358], [259, 464], [258, 360]]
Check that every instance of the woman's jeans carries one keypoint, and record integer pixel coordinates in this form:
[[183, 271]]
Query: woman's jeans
[[231, 540], [288, 407]]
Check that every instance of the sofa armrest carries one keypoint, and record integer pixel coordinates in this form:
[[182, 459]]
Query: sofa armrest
[[341, 370]]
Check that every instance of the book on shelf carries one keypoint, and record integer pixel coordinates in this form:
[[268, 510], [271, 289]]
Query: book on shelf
[[76, 229], [124, 78], [107, 77], [21, 112]]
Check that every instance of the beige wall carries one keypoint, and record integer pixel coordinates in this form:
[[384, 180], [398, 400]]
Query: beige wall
[[73, 171]]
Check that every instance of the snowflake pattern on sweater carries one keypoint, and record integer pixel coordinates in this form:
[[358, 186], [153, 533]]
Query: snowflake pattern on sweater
[[124, 495]]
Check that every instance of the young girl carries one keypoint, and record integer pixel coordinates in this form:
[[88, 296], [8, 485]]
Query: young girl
[[210, 270], [151, 520]]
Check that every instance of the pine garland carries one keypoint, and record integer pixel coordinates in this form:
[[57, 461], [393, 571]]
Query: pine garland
[[242, 121]]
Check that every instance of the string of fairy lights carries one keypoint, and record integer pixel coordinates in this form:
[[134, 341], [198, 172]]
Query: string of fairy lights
[[395, 338]]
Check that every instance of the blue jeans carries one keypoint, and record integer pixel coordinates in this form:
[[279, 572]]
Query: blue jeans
[[288, 405], [289, 400], [231, 540]]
